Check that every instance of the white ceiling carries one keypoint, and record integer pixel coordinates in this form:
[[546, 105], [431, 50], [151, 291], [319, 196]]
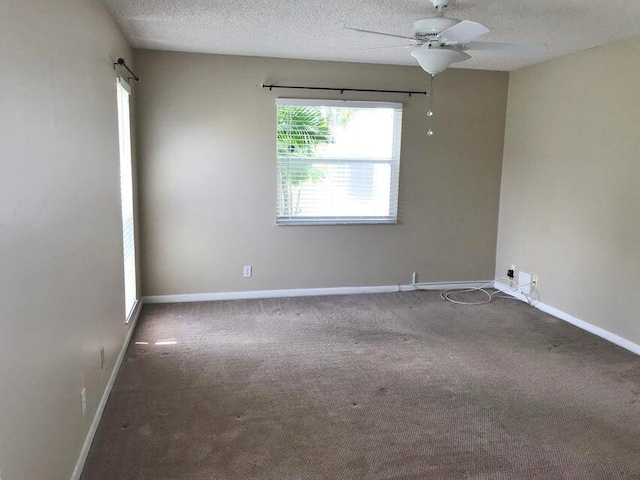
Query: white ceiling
[[313, 29]]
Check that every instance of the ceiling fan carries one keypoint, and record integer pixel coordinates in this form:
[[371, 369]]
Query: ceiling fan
[[440, 41]]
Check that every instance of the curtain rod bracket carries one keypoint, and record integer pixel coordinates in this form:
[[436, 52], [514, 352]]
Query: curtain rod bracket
[[122, 63]]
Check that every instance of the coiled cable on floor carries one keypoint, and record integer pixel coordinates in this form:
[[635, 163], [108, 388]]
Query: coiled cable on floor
[[447, 294]]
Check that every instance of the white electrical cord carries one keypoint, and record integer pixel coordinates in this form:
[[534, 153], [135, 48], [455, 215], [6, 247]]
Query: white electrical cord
[[447, 294]]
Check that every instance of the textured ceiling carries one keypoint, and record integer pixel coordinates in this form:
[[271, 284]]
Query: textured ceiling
[[314, 29]]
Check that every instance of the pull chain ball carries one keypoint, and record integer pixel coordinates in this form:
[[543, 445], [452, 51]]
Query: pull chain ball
[[430, 132], [429, 113]]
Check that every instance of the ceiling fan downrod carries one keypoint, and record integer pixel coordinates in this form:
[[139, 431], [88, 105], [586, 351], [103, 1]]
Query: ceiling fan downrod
[[440, 5]]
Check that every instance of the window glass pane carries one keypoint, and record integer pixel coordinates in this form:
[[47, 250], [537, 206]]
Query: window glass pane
[[340, 189]]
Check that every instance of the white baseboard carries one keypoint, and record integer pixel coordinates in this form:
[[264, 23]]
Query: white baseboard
[[305, 292], [451, 285], [514, 292], [600, 332], [297, 292], [77, 471]]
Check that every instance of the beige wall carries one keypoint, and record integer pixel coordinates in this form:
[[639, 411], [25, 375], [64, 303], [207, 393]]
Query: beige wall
[[570, 202], [61, 274], [207, 143]]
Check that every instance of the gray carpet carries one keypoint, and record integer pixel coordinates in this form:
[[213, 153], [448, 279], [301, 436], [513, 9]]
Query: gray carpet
[[386, 386]]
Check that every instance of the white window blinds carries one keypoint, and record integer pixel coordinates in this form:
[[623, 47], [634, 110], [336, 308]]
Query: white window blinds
[[338, 162], [126, 194]]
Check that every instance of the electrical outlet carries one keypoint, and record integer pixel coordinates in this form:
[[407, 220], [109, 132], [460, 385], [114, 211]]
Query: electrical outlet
[[101, 358], [511, 272], [83, 401], [247, 271], [534, 282], [524, 282]]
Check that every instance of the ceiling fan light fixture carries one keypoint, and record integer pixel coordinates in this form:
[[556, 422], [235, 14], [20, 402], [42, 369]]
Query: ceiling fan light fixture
[[436, 60]]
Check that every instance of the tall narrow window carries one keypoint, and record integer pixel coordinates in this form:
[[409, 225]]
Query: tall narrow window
[[338, 161], [126, 194]]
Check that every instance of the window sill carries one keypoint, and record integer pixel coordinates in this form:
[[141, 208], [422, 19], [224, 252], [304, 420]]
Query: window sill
[[317, 222]]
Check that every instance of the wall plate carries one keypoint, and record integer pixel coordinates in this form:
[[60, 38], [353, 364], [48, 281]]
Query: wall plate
[[524, 282]]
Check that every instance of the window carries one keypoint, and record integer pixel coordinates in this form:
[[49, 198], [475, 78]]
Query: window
[[338, 162], [126, 195]]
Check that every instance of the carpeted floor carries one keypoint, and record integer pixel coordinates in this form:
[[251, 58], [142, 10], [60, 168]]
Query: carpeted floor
[[386, 386]]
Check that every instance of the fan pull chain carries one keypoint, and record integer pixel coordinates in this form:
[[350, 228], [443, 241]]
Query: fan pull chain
[[430, 111]]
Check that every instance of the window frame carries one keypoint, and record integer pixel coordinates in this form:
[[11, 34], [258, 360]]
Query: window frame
[[393, 162], [127, 201]]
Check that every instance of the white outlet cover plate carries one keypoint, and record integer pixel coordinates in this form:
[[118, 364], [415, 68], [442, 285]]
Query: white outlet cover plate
[[524, 282], [246, 273]]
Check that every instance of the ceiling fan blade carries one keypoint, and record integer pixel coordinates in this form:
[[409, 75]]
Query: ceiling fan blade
[[392, 46], [515, 48], [379, 33], [462, 32]]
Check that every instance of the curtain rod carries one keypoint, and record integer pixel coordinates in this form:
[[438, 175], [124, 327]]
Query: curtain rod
[[342, 90], [122, 63]]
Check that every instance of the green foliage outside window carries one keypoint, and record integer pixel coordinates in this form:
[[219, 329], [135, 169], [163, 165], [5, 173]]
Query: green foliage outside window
[[300, 130]]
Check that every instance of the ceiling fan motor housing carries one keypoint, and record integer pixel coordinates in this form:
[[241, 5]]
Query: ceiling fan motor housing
[[430, 28]]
